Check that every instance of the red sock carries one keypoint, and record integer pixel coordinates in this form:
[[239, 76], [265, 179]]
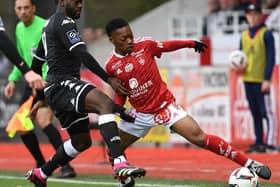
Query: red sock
[[221, 147]]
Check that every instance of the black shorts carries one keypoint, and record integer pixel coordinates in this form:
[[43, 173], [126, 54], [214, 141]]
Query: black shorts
[[67, 99]]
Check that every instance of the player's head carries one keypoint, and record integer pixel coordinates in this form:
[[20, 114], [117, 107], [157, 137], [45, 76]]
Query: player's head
[[72, 8], [253, 15], [25, 10], [120, 34]]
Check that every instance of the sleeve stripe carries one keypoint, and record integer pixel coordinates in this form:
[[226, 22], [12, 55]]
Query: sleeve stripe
[[79, 43]]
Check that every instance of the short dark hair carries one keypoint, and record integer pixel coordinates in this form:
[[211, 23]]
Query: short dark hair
[[56, 2], [33, 2], [115, 24]]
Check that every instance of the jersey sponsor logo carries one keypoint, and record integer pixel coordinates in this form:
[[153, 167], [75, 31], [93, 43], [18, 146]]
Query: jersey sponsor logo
[[133, 83], [67, 21], [129, 67], [137, 89], [73, 36]]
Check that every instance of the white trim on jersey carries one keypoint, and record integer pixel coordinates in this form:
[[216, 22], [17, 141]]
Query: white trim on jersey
[[39, 58], [76, 44]]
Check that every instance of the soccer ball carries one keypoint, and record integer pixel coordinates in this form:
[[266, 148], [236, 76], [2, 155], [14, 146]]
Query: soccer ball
[[243, 177], [237, 60]]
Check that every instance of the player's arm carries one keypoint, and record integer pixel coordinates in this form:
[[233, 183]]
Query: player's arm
[[90, 62], [172, 45], [37, 63], [38, 59], [270, 54], [11, 52], [120, 100]]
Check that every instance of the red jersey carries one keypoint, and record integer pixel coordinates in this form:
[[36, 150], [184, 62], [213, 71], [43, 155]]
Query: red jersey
[[140, 74]]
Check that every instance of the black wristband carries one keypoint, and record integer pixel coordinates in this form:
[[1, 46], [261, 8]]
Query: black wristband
[[23, 67]]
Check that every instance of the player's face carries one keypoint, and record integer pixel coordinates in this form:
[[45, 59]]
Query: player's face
[[25, 11], [122, 39], [254, 18], [73, 8]]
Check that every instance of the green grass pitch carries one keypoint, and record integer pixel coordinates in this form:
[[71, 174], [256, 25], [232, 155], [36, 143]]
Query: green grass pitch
[[16, 179]]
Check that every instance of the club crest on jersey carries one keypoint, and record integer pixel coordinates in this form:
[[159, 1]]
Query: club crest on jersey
[[133, 83], [129, 67], [73, 36]]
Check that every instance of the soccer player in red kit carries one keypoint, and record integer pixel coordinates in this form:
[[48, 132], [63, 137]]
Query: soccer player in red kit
[[133, 62]]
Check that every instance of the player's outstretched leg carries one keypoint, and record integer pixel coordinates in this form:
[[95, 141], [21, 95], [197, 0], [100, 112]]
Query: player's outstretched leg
[[194, 134], [221, 147], [36, 177]]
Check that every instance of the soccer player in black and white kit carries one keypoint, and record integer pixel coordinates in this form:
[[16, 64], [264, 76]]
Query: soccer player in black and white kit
[[34, 80], [72, 98]]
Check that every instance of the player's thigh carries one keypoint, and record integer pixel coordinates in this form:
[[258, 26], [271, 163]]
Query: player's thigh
[[44, 116], [190, 130], [127, 139], [97, 101]]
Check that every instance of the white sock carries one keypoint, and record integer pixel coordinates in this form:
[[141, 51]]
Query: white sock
[[119, 159], [70, 149], [249, 161]]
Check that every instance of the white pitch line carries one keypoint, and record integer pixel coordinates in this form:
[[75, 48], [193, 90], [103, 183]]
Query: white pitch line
[[69, 181]]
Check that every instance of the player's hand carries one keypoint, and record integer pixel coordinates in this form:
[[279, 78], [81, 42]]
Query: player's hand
[[200, 47], [121, 111], [239, 71], [117, 85], [35, 108], [9, 89], [34, 80], [265, 86]]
